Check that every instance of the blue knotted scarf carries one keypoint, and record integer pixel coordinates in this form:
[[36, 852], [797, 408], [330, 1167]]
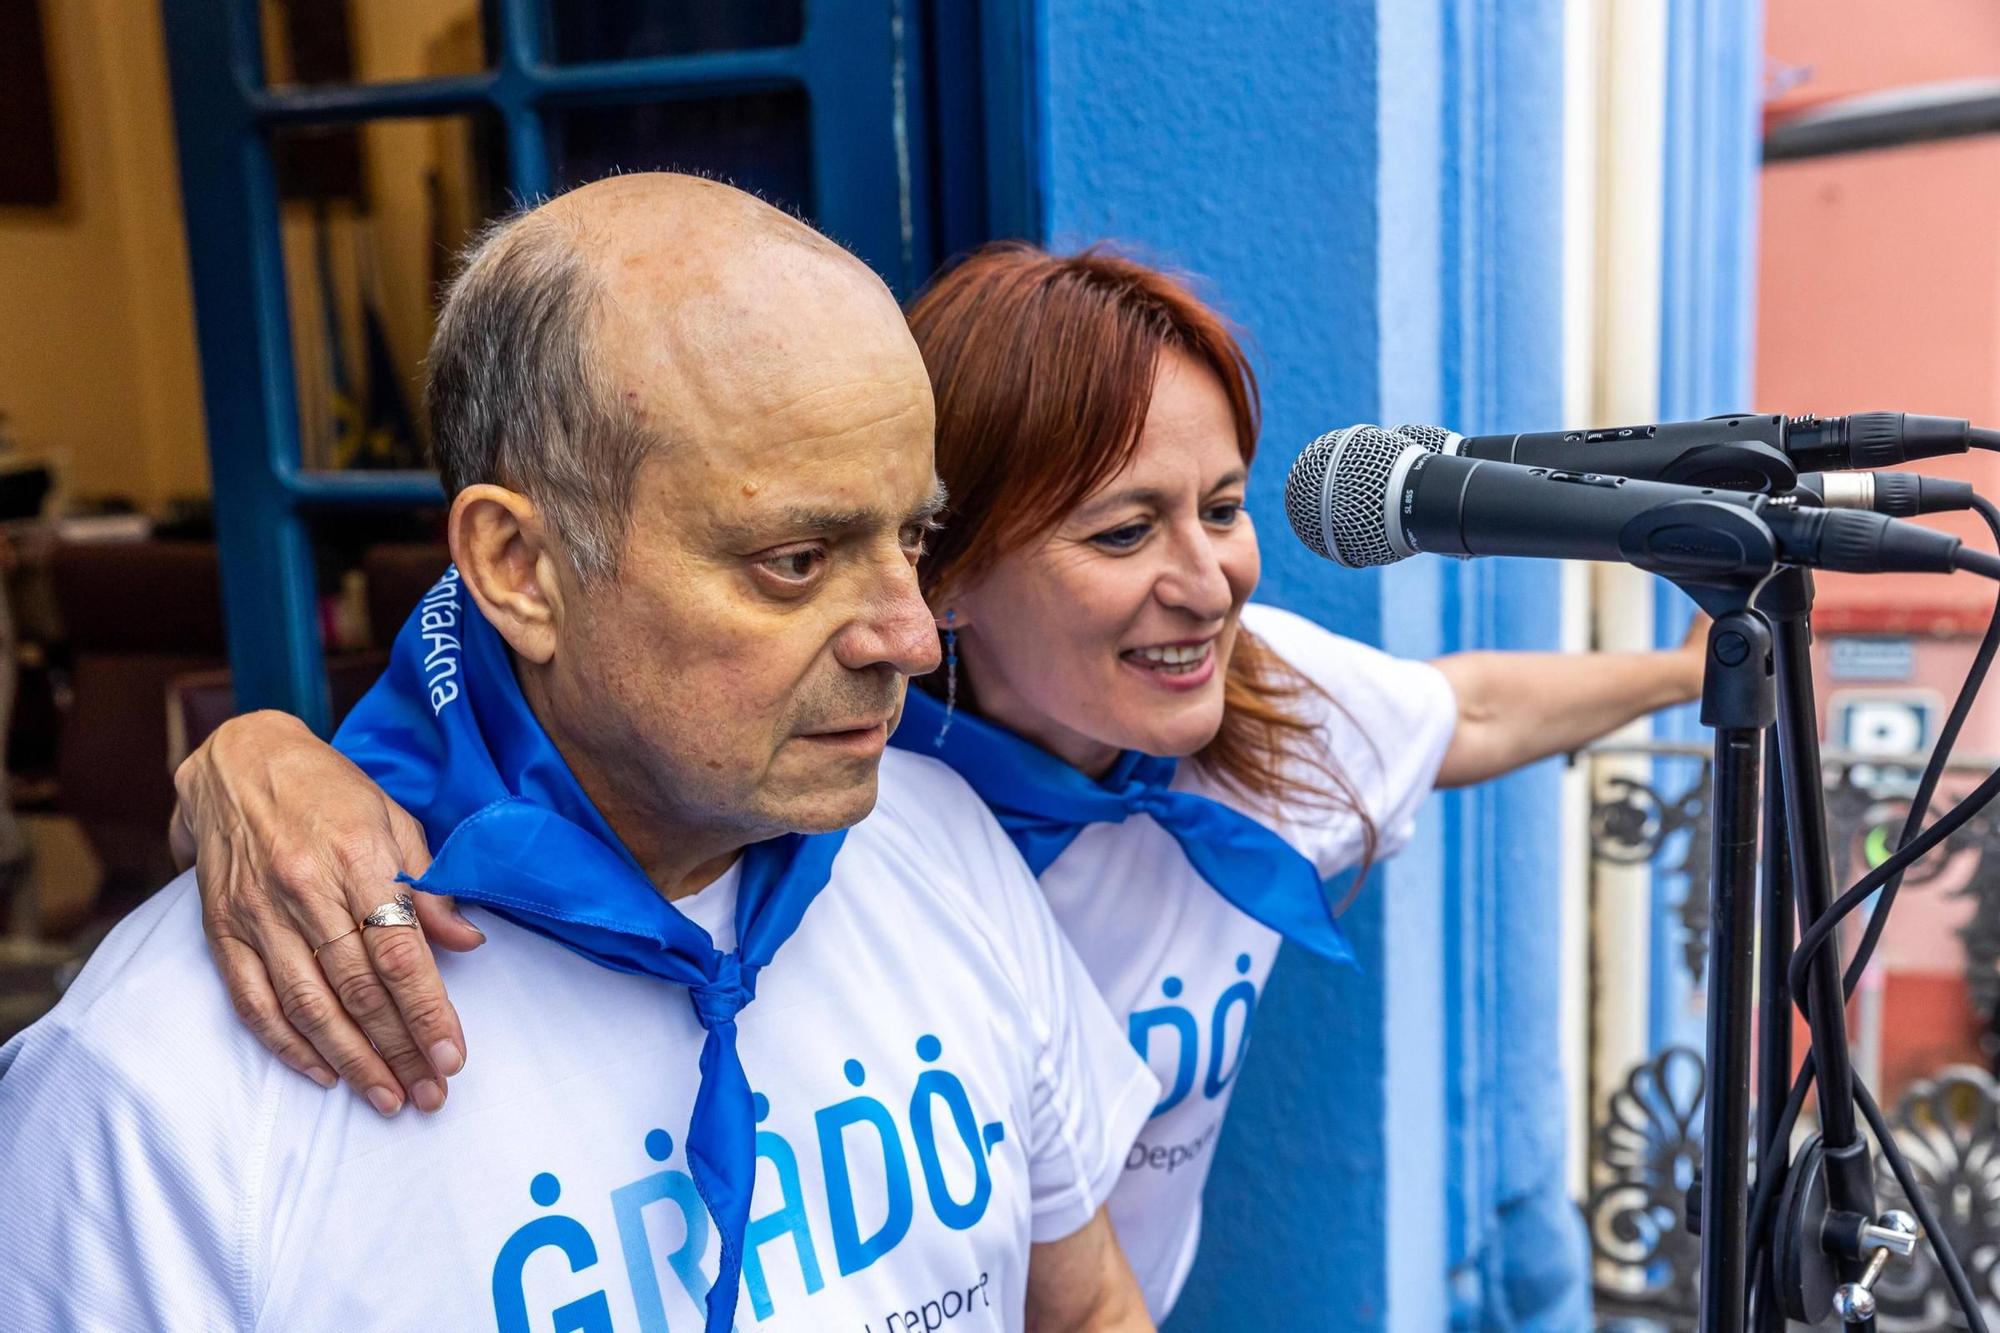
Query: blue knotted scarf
[[1043, 804], [447, 733]]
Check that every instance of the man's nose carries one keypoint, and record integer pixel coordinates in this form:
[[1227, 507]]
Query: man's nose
[[895, 630]]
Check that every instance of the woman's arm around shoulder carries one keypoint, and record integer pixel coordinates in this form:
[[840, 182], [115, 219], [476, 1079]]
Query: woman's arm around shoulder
[[292, 846]]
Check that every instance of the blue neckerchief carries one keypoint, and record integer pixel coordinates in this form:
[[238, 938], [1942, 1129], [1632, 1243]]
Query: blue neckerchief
[[1043, 804], [448, 734]]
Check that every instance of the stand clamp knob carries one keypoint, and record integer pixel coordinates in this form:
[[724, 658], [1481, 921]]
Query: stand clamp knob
[[1896, 1233]]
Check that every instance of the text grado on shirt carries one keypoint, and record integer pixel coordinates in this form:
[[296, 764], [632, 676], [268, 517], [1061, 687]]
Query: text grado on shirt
[[939, 1125]]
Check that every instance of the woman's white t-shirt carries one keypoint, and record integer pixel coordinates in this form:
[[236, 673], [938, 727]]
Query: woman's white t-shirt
[[1185, 967]]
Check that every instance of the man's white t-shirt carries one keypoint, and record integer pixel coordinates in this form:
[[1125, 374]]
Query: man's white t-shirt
[[1186, 967], [940, 1085]]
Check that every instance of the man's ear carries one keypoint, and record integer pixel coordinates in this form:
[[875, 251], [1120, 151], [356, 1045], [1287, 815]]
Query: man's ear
[[504, 556]]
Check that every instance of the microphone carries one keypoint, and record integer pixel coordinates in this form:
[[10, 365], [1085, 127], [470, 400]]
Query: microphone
[[1362, 496], [1737, 451], [1749, 466]]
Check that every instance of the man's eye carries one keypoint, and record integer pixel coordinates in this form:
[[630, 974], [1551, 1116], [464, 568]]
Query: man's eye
[[1123, 539], [915, 537], [1222, 515], [795, 566]]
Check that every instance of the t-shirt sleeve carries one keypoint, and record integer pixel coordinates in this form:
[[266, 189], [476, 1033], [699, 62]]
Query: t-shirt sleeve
[[102, 1224], [111, 1214], [1388, 728], [1091, 1092]]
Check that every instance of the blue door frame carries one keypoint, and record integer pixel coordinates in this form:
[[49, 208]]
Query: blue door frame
[[918, 151]]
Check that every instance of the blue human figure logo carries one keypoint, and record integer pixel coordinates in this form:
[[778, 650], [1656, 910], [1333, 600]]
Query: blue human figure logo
[[787, 1220], [1243, 993], [945, 1086], [628, 1206], [1140, 1027], [851, 1251], [586, 1314], [1143, 1024]]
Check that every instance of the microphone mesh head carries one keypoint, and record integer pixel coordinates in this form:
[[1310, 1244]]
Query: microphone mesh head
[[1433, 438], [1337, 492]]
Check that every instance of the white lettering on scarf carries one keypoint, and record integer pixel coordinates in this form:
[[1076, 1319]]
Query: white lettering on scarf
[[437, 617]]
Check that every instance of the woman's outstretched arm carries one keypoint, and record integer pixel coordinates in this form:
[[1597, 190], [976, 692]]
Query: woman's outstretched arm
[[1515, 708]]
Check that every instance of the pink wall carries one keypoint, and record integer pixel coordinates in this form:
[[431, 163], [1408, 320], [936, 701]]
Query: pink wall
[[1856, 46], [1879, 272], [1879, 288]]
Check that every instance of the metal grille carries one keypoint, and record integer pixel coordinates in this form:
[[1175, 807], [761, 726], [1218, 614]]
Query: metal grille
[[1433, 438], [1339, 483], [1302, 491]]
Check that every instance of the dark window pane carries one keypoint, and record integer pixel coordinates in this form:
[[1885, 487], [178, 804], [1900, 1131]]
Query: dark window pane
[[370, 217], [760, 142], [583, 30], [370, 41], [28, 172]]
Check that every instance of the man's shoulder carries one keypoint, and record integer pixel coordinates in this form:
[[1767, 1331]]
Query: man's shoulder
[[931, 841], [148, 1010], [928, 819], [920, 793]]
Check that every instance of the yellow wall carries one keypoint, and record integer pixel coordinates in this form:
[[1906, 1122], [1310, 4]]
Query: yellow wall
[[98, 370], [98, 367]]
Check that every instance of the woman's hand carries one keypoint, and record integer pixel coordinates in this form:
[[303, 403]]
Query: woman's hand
[[292, 846], [1695, 645]]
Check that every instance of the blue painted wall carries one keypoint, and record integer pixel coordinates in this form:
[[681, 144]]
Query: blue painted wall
[[1715, 80], [1519, 1252], [1345, 181], [1234, 140]]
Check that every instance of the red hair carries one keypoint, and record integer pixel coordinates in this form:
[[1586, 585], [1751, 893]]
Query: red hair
[[1043, 368]]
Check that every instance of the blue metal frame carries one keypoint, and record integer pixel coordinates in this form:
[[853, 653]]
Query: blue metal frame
[[867, 68]]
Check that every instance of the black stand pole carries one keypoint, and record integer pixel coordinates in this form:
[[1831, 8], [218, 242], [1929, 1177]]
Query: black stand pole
[[1757, 695], [1738, 702], [1774, 1006], [1827, 1247], [1829, 1194], [1788, 601]]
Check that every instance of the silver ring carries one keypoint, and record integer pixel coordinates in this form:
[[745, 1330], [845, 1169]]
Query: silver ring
[[400, 912]]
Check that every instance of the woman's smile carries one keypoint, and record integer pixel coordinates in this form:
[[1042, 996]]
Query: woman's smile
[[1184, 665]]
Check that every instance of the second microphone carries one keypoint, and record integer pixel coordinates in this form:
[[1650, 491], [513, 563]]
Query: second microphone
[[1362, 497]]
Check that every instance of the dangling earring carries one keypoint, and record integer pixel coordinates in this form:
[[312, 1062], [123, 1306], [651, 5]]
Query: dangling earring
[[950, 676]]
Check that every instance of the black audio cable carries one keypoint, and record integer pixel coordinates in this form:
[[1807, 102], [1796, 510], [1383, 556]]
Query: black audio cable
[[1887, 878]]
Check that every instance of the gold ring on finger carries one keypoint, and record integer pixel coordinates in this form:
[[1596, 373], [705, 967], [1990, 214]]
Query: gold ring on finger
[[341, 936]]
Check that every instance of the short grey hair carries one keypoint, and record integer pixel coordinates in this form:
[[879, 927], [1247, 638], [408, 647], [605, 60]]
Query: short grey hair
[[517, 398]]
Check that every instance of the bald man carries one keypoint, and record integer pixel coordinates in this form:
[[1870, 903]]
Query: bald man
[[776, 1030]]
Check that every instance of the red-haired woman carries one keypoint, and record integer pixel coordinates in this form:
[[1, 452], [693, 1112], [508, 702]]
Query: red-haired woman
[[1182, 768]]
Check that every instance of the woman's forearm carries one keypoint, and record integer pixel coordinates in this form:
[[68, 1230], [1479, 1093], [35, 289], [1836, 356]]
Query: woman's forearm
[[1515, 708]]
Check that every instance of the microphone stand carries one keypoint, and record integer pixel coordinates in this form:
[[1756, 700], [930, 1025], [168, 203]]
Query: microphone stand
[[1827, 1247], [1739, 701], [1774, 997], [1834, 1173]]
